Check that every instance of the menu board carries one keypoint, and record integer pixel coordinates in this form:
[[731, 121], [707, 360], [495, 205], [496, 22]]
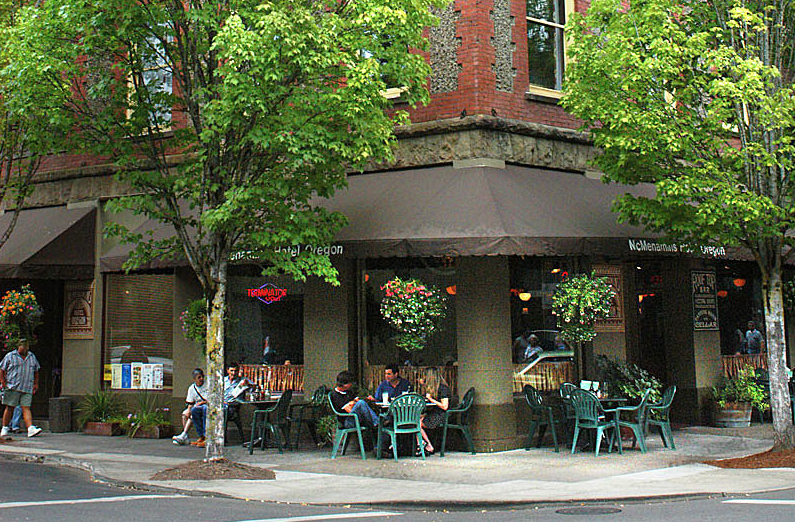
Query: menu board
[[705, 300], [136, 376]]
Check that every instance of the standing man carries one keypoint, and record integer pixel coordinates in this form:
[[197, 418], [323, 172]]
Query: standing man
[[393, 384], [754, 342], [19, 376]]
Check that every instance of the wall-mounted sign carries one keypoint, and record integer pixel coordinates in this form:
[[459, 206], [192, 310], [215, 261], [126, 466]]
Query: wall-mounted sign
[[136, 376], [705, 300], [78, 320], [293, 251], [267, 293], [615, 320], [645, 245]]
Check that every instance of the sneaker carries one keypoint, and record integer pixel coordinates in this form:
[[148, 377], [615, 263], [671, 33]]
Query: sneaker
[[198, 441], [5, 431], [33, 431], [180, 439], [16, 430]]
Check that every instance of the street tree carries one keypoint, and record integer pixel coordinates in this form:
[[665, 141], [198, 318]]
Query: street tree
[[228, 120], [24, 137], [696, 97]]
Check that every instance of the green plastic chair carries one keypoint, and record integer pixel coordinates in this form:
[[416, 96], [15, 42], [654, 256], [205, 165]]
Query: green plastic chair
[[663, 417], [541, 416], [313, 407], [463, 421], [589, 414], [565, 394], [279, 428], [341, 435], [405, 412], [637, 425]]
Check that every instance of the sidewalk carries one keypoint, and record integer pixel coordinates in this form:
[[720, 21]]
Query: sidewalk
[[540, 475]]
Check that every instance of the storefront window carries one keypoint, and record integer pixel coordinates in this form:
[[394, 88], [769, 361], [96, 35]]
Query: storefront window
[[380, 336], [265, 311], [739, 301], [139, 320], [533, 281]]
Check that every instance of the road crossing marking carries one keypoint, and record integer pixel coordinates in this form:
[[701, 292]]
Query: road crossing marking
[[760, 501], [331, 516], [4, 505]]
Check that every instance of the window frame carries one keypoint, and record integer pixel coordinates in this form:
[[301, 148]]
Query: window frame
[[538, 90], [153, 66]]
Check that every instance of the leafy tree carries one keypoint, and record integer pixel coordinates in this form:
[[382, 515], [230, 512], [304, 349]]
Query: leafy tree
[[228, 119], [696, 97], [24, 137]]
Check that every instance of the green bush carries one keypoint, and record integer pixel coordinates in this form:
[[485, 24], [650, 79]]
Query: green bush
[[147, 414], [628, 380], [100, 406], [741, 388]]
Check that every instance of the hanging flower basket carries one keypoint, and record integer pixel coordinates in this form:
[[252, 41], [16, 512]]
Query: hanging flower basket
[[413, 309], [20, 315]]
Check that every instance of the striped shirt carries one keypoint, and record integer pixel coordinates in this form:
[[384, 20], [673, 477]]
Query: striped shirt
[[19, 371]]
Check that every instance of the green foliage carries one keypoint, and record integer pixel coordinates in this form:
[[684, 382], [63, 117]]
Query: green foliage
[[20, 315], [741, 388], [413, 309], [628, 380], [580, 301], [327, 427], [100, 406], [148, 413], [194, 321]]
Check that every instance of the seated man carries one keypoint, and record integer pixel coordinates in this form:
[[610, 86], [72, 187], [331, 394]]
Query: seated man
[[533, 349], [393, 384], [344, 399], [196, 396]]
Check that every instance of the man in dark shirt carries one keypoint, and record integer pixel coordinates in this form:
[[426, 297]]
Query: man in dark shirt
[[393, 384], [344, 399]]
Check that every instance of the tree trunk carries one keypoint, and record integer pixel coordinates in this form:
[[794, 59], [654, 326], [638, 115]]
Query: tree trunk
[[214, 448], [784, 437]]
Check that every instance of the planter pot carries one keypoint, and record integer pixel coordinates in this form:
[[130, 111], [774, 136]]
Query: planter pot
[[733, 415], [155, 432], [102, 428]]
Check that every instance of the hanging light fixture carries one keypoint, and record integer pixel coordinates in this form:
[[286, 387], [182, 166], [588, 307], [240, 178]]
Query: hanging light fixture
[[739, 282], [722, 293], [525, 296], [450, 289]]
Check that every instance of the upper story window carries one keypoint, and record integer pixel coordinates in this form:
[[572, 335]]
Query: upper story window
[[546, 43]]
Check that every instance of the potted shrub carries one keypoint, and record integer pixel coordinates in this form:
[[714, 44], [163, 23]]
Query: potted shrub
[[735, 397], [99, 413], [148, 421]]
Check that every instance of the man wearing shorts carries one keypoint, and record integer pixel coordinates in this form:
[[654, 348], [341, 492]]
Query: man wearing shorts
[[19, 378]]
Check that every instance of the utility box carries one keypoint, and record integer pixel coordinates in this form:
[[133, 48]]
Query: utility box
[[60, 414]]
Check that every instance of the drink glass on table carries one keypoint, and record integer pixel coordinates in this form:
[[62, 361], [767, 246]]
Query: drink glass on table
[[385, 398]]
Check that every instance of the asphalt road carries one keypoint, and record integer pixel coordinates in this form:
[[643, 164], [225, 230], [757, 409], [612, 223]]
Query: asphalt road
[[43, 493]]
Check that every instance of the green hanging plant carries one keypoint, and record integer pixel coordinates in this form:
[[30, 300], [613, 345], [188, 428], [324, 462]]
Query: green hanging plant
[[413, 309], [579, 302]]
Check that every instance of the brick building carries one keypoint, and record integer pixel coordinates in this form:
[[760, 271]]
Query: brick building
[[490, 197]]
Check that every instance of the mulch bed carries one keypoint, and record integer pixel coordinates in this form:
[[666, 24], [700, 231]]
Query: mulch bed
[[768, 459], [219, 469]]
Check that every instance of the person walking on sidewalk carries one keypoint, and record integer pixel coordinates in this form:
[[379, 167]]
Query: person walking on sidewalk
[[19, 377]]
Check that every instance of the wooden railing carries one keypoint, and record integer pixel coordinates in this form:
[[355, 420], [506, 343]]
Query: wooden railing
[[544, 376], [734, 363], [374, 375], [275, 377]]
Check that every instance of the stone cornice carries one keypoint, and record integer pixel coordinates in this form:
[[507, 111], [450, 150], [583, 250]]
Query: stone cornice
[[484, 122]]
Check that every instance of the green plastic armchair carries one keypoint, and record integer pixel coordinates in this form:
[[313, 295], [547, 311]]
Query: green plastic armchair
[[589, 414], [636, 423], [541, 416], [279, 428], [405, 412], [306, 414], [341, 435], [463, 421], [659, 415]]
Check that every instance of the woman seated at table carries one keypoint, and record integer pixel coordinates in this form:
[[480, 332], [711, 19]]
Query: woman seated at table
[[437, 393]]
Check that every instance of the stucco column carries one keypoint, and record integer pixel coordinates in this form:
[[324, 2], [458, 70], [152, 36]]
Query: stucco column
[[326, 351], [483, 318]]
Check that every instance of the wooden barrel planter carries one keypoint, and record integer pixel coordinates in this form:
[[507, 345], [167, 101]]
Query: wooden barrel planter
[[733, 415]]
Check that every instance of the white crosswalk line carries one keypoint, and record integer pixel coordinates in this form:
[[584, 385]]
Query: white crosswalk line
[[760, 501], [331, 516], [4, 505]]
